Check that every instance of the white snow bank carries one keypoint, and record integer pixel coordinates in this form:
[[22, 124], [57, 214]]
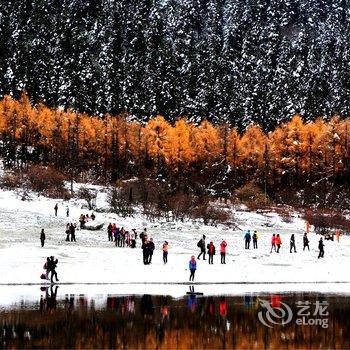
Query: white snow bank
[[93, 259]]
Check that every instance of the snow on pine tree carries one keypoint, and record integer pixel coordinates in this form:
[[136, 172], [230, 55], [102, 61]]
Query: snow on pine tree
[[241, 62]]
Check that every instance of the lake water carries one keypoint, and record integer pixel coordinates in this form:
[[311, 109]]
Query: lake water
[[250, 321]]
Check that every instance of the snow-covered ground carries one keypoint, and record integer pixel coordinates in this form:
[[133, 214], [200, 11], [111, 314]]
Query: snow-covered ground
[[92, 259]]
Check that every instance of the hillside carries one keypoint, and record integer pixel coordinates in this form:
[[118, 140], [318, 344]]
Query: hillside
[[236, 61]]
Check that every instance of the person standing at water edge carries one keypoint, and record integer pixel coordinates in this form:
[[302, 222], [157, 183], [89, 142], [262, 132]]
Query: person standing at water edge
[[247, 239], [201, 245], [42, 238], [52, 264], [56, 208], [278, 243], [305, 242], [273, 243], [321, 248], [292, 243], [223, 246], [193, 267], [211, 252], [165, 252]]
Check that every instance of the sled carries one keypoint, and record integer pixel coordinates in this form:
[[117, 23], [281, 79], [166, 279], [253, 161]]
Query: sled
[[90, 226]]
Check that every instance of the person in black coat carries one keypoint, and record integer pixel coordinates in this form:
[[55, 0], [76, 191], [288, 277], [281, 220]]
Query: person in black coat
[[52, 264], [42, 237], [306, 242], [150, 247], [292, 243], [72, 232], [201, 245], [145, 251], [109, 231], [321, 248]]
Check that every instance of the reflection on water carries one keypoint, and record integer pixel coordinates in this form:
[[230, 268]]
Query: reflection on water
[[162, 322]]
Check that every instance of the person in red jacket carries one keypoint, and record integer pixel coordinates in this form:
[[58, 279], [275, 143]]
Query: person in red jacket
[[273, 243], [223, 246], [211, 252]]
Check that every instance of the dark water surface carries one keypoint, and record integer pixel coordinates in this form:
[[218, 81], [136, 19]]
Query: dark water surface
[[251, 321]]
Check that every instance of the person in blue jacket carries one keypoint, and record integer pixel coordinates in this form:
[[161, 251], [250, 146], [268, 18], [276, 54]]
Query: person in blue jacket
[[193, 267], [247, 238]]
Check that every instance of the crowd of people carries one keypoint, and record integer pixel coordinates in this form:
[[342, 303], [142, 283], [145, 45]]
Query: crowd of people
[[123, 238], [84, 218], [276, 243]]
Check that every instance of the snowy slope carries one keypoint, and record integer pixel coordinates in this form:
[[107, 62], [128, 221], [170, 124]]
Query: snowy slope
[[93, 259]]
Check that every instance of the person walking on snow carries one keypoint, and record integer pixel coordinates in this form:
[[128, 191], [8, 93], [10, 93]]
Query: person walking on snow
[[67, 211], [273, 243], [305, 242], [255, 240], [42, 238], [321, 248], [247, 238], [193, 267], [278, 243], [56, 208], [223, 246], [292, 243], [165, 252], [201, 245], [211, 252]]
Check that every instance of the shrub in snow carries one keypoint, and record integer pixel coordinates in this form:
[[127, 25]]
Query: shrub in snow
[[87, 195], [47, 181], [252, 196], [11, 180], [118, 200], [327, 220]]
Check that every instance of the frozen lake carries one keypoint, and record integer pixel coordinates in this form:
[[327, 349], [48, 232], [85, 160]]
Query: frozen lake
[[56, 318]]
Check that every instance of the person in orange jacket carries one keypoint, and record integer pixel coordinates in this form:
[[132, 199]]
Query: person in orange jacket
[[278, 243], [223, 246], [337, 235]]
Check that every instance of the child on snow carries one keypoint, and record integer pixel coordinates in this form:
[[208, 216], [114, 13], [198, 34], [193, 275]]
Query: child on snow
[[193, 267]]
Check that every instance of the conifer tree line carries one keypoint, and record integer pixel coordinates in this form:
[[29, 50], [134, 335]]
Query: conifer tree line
[[259, 61], [216, 157]]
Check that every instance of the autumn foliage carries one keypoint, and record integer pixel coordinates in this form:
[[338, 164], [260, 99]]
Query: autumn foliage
[[206, 157]]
